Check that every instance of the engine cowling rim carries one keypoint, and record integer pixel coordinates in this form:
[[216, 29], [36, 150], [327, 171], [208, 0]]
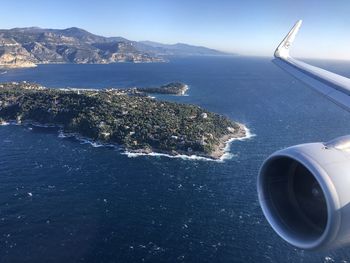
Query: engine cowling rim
[[332, 201]]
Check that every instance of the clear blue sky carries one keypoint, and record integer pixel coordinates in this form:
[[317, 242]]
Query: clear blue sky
[[248, 27]]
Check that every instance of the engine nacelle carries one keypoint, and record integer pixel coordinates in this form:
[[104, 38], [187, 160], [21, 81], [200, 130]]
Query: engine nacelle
[[304, 192]]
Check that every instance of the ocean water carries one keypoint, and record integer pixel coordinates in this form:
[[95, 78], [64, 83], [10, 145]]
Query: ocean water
[[62, 200]]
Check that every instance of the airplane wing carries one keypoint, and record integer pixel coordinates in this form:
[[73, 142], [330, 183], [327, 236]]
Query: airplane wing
[[303, 190], [331, 85]]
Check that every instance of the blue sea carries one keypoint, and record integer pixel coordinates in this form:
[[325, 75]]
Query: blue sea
[[62, 200]]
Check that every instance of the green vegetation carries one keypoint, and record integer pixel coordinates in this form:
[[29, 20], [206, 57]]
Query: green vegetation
[[174, 88], [138, 123]]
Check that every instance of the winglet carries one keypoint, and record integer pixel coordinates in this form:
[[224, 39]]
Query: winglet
[[282, 50]]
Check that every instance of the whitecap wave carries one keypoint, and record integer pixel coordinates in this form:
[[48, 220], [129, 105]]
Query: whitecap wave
[[155, 154], [84, 140], [226, 156], [43, 125], [184, 93], [6, 123], [91, 142], [62, 134], [97, 144]]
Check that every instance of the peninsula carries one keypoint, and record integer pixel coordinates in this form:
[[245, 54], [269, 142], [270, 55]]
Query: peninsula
[[137, 123]]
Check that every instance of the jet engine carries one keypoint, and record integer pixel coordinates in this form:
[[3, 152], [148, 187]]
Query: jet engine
[[304, 192]]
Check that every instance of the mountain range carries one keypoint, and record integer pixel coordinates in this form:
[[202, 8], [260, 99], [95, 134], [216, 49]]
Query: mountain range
[[26, 47]]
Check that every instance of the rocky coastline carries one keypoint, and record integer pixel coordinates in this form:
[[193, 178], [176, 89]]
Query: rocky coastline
[[137, 123]]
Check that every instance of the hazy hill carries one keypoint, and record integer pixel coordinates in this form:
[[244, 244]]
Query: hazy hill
[[24, 47], [178, 49]]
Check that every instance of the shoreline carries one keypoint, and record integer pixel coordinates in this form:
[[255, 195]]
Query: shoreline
[[105, 117], [221, 153], [226, 139], [34, 65], [224, 151]]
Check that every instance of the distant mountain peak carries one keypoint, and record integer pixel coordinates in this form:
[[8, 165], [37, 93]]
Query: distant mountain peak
[[26, 29], [76, 45], [76, 30]]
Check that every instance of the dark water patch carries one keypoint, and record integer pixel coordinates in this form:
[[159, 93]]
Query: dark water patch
[[65, 201]]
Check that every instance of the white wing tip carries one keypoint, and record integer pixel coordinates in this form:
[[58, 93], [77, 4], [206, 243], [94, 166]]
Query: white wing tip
[[282, 50]]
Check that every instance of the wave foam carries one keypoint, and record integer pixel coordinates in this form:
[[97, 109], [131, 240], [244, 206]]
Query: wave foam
[[84, 140], [62, 134], [226, 156], [6, 123], [96, 144], [155, 154]]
